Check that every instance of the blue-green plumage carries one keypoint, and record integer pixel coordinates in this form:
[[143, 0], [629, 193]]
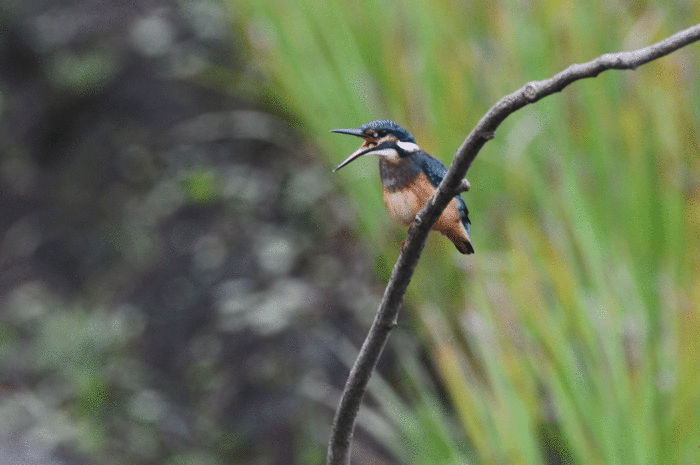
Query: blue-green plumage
[[409, 178]]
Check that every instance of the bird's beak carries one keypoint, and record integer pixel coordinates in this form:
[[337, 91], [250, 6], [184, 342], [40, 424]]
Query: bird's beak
[[355, 155], [352, 132], [368, 147]]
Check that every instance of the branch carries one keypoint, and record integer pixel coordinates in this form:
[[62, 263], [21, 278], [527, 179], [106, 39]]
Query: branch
[[452, 184]]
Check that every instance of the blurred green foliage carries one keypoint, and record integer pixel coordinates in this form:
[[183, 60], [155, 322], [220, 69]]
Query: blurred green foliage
[[572, 335], [84, 73], [200, 186]]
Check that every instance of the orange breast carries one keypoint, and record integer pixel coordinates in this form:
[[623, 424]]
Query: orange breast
[[404, 205]]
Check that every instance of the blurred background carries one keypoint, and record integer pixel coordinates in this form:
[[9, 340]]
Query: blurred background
[[183, 280]]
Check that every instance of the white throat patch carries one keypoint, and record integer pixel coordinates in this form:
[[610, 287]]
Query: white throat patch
[[388, 153], [408, 146]]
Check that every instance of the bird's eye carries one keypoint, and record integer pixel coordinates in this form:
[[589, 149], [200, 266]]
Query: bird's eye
[[381, 133]]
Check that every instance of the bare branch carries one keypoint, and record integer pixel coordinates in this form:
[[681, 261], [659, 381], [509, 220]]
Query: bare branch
[[385, 320]]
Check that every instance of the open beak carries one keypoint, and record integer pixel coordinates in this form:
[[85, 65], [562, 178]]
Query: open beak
[[369, 145], [366, 148]]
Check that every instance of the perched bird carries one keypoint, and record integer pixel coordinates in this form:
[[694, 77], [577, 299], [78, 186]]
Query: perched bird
[[409, 178]]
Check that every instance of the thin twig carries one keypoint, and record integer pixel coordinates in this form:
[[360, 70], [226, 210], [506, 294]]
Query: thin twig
[[385, 320]]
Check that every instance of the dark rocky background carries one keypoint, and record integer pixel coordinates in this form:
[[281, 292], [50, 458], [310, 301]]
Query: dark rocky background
[[174, 261]]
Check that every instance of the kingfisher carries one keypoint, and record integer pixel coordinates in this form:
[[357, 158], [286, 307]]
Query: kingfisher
[[410, 177]]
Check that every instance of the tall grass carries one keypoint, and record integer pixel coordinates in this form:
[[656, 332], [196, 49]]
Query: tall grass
[[573, 334]]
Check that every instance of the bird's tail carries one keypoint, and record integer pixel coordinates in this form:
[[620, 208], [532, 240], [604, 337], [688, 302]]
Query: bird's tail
[[463, 244]]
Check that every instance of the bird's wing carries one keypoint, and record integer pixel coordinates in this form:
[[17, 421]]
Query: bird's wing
[[436, 171], [432, 167]]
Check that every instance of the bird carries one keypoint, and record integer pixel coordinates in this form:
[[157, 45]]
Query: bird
[[409, 177]]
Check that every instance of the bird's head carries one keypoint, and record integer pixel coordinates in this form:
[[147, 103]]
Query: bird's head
[[383, 138]]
